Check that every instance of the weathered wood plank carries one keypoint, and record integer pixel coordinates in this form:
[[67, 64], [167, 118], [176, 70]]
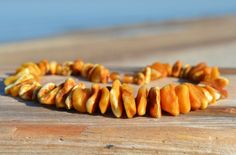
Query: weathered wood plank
[[27, 127], [30, 128]]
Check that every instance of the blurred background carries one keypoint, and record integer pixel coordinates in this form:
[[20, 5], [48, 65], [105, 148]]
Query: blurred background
[[119, 33]]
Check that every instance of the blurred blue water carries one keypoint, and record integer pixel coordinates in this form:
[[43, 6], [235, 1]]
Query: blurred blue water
[[27, 19]]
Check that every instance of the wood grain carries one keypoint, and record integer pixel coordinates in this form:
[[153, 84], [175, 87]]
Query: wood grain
[[30, 128]]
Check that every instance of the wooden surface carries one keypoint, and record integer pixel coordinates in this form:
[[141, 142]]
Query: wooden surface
[[30, 128], [212, 40]]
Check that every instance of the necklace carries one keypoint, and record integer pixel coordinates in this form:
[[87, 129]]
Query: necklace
[[206, 87]]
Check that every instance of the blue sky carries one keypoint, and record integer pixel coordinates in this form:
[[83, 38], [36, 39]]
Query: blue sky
[[26, 19]]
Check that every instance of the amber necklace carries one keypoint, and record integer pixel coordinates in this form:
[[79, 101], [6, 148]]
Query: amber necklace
[[207, 87]]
